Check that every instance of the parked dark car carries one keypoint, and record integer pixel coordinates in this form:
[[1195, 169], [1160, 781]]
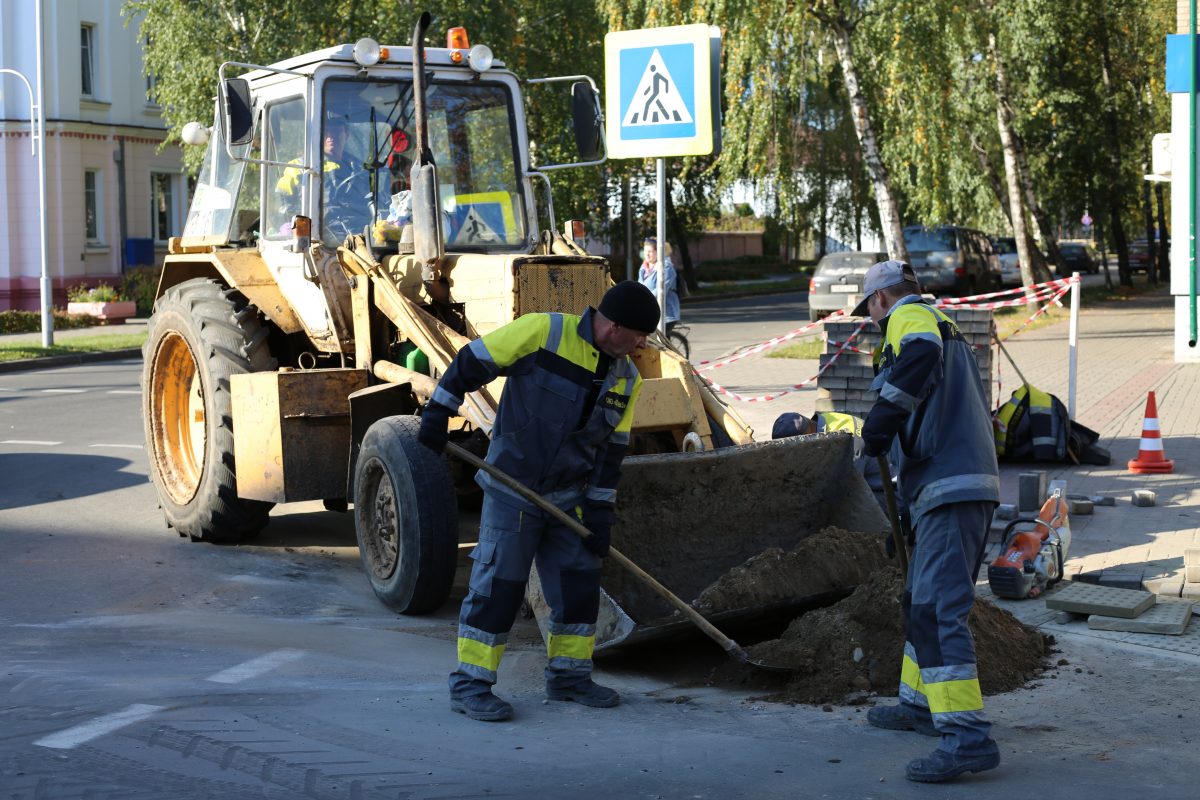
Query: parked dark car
[[952, 259], [1139, 256], [1078, 257], [837, 281]]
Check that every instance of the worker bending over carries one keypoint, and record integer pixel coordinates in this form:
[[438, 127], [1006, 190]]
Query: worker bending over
[[562, 429], [932, 415]]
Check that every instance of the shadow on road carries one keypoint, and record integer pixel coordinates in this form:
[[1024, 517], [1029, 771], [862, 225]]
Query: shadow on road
[[31, 479]]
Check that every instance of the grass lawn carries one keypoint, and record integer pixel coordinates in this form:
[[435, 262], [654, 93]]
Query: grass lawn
[[13, 351]]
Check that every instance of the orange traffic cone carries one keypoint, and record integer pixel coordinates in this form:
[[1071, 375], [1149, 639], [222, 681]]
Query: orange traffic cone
[[1150, 455]]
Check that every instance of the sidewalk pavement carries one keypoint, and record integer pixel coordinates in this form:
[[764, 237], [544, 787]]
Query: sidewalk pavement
[[1125, 350]]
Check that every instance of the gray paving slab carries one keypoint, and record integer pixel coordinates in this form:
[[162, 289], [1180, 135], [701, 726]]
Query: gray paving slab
[[1082, 598], [1166, 617], [1187, 643]]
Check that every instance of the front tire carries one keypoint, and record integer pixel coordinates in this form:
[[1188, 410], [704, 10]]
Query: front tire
[[200, 335], [405, 517]]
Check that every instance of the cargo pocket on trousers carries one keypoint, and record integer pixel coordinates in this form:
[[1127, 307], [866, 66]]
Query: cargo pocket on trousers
[[484, 556]]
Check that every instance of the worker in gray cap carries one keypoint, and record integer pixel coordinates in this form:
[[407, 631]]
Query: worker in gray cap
[[562, 429], [932, 416]]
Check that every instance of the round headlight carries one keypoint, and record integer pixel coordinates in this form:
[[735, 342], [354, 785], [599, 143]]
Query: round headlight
[[480, 58], [367, 52], [194, 133]]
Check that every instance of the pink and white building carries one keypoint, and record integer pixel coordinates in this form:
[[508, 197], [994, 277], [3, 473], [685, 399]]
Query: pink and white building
[[112, 198]]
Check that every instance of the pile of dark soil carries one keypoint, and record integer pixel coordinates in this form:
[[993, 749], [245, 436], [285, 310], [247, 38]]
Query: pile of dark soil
[[846, 651], [831, 561]]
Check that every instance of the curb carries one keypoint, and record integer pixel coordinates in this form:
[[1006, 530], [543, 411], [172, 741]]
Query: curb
[[49, 362]]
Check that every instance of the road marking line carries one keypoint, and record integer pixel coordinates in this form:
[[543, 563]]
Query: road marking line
[[255, 666], [30, 441], [127, 446], [8, 389], [64, 391], [124, 391], [72, 737]]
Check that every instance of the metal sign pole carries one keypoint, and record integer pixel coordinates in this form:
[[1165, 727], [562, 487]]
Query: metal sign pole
[[1072, 344], [662, 245]]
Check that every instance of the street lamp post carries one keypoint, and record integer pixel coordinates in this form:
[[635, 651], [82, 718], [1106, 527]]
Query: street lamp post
[[37, 144]]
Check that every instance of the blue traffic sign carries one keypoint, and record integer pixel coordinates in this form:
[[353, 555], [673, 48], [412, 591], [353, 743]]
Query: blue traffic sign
[[659, 87]]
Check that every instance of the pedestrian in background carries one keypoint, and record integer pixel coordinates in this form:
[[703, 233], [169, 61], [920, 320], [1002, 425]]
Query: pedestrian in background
[[931, 414], [562, 429], [648, 277]]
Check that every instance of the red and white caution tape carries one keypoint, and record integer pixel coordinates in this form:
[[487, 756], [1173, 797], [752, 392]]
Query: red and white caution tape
[[705, 366], [1049, 293], [719, 389]]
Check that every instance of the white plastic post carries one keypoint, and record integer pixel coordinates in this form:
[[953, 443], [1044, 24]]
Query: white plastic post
[[1072, 344]]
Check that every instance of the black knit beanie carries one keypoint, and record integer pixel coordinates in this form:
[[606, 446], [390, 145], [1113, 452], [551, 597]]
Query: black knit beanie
[[631, 305]]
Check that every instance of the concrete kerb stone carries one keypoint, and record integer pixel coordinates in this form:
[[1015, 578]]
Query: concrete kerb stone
[[71, 360]]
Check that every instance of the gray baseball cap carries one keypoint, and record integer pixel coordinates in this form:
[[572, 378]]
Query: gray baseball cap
[[881, 276]]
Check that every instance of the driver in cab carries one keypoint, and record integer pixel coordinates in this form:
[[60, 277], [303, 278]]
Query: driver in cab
[[338, 169]]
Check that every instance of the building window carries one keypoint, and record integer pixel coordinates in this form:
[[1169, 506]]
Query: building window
[[92, 223], [162, 206], [87, 64], [151, 80]]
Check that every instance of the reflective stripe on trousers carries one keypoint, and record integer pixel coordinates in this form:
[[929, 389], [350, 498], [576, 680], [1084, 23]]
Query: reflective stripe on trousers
[[511, 537], [938, 676]]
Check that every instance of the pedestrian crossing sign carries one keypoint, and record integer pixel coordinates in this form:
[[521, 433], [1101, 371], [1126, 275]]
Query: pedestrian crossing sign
[[661, 88]]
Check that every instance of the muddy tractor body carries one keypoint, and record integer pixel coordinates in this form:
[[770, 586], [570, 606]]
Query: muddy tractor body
[[361, 213]]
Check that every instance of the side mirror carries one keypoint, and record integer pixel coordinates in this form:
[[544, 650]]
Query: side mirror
[[427, 215], [585, 111], [237, 111]]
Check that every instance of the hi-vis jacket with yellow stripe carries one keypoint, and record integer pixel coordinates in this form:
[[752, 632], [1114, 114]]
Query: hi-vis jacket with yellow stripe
[[541, 437], [931, 403]]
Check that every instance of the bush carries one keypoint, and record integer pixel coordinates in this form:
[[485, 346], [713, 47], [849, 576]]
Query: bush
[[31, 321], [100, 293], [140, 284]]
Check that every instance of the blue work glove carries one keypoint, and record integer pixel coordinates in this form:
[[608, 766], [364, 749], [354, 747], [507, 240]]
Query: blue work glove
[[435, 421], [598, 518]]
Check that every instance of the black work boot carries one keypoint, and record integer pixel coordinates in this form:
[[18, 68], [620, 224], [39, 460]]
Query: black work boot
[[900, 718], [941, 766], [586, 692], [486, 707]]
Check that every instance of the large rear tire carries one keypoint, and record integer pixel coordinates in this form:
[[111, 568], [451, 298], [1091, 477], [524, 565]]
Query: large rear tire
[[200, 335], [405, 517]]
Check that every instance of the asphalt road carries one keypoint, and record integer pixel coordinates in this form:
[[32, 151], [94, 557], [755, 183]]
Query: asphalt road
[[135, 664]]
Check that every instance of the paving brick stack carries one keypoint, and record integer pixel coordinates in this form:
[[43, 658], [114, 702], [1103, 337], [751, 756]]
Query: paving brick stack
[[846, 386]]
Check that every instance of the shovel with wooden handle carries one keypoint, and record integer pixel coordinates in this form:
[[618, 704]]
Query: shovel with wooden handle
[[889, 494], [731, 647]]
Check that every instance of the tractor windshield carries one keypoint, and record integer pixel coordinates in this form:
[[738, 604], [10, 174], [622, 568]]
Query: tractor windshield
[[368, 138]]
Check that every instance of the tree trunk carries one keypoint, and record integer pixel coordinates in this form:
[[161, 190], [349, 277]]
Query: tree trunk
[[1164, 240], [1113, 148], [1148, 213], [889, 213], [999, 191], [1049, 240], [1016, 206]]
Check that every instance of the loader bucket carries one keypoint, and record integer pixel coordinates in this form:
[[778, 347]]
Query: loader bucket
[[702, 522]]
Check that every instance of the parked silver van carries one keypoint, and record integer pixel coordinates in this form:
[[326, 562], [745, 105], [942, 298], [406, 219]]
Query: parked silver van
[[951, 259]]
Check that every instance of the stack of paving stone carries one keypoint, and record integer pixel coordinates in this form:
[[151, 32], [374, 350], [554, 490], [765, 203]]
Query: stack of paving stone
[[845, 387], [1111, 609], [1191, 573]]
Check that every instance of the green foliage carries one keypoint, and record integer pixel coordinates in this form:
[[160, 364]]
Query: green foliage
[[31, 321], [140, 284], [100, 293]]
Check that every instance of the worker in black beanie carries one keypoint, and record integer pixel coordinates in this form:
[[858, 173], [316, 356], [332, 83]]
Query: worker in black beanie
[[562, 429]]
